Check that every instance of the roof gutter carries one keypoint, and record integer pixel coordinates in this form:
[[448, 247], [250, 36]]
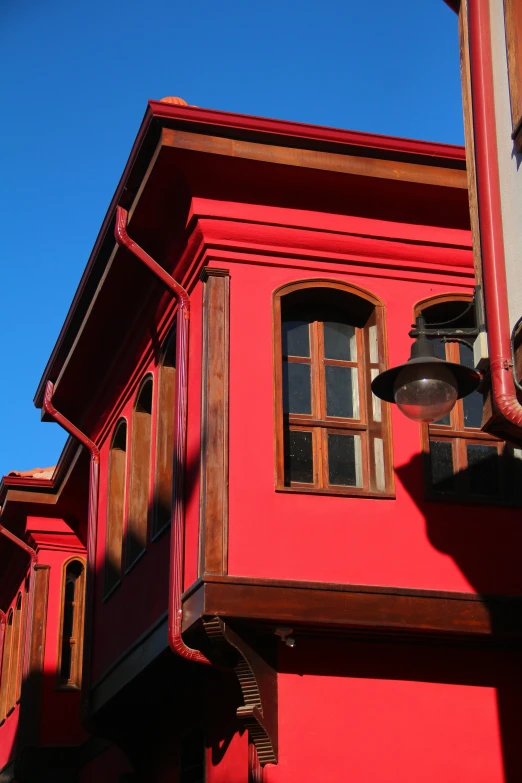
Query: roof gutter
[[490, 217], [92, 519], [177, 540]]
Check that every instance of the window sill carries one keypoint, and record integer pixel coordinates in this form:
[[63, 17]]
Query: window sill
[[352, 492]]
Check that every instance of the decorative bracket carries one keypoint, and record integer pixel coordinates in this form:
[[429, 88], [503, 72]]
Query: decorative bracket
[[258, 683]]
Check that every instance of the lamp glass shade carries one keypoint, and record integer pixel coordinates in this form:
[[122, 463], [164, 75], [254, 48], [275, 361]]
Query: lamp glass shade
[[425, 392]]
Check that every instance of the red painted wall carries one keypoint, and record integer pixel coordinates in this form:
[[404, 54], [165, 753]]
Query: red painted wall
[[388, 712], [60, 709]]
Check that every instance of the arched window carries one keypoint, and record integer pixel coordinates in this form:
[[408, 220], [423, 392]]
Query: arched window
[[165, 438], [461, 461], [6, 665], [115, 506], [141, 435], [16, 662], [333, 435], [71, 635]]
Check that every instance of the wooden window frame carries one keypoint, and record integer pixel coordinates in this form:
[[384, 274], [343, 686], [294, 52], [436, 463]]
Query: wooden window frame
[[75, 680], [165, 436], [513, 28], [115, 518], [15, 656], [455, 433], [6, 664], [323, 425], [140, 474]]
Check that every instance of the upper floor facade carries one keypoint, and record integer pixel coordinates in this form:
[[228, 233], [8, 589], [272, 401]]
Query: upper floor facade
[[241, 468]]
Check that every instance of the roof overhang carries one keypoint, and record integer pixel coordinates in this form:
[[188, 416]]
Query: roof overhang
[[236, 135]]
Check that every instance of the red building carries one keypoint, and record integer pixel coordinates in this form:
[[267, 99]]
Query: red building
[[286, 579]]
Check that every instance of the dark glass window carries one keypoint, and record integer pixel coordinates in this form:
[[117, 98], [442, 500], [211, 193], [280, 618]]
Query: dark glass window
[[333, 430], [464, 462], [72, 624]]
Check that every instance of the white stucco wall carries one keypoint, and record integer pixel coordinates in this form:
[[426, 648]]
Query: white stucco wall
[[510, 164]]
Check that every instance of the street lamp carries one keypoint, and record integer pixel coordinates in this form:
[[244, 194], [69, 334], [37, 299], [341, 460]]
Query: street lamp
[[426, 388]]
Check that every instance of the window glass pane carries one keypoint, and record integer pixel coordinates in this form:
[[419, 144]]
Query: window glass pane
[[473, 403], [296, 388], [442, 476], [440, 353], [374, 347], [483, 469], [296, 338], [342, 392], [68, 620], [466, 356], [376, 403], [378, 450], [440, 348], [66, 664], [340, 342], [344, 460], [298, 457]]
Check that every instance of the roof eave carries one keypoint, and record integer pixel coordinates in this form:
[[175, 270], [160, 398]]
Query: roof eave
[[228, 123]]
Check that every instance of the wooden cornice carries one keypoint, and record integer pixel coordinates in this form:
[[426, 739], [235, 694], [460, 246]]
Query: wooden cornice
[[350, 608], [314, 159]]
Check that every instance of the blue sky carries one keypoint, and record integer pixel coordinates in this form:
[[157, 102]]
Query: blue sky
[[76, 77]]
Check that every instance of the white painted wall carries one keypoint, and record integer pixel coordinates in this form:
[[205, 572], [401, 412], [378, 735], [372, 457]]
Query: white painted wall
[[510, 164]]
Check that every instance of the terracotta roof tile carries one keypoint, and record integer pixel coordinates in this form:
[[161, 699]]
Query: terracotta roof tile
[[39, 473]]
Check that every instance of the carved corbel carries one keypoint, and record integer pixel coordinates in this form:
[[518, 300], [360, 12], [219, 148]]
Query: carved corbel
[[258, 683]]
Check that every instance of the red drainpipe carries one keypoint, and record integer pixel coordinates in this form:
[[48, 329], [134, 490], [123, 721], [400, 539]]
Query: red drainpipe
[[26, 663], [490, 216], [92, 518], [177, 542]]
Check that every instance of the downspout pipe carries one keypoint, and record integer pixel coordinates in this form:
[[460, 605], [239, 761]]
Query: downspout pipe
[[490, 215], [92, 517], [177, 541], [26, 663]]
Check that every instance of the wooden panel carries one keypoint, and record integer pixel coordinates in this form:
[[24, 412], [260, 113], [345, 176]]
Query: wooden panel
[[312, 159], [214, 423], [32, 688], [350, 607], [165, 429], [115, 507], [141, 438], [513, 14], [16, 656]]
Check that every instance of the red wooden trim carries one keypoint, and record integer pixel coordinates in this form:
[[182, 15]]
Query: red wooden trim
[[263, 126]]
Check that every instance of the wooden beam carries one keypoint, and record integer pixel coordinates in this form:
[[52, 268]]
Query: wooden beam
[[312, 159], [352, 607], [214, 423]]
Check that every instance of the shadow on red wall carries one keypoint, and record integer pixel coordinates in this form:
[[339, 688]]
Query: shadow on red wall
[[486, 544]]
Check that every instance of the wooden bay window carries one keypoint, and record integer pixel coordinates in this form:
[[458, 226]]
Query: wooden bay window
[[461, 461], [333, 434]]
